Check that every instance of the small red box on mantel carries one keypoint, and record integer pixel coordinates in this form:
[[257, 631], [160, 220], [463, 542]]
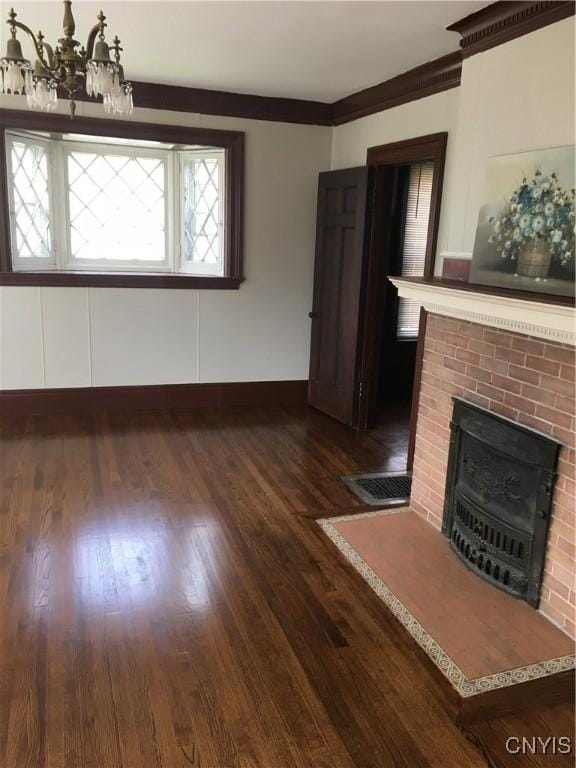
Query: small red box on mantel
[[454, 268]]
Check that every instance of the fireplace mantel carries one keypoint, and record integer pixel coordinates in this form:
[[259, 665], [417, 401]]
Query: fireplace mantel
[[547, 317]]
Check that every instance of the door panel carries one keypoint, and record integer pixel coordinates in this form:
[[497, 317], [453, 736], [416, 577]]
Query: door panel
[[340, 238]]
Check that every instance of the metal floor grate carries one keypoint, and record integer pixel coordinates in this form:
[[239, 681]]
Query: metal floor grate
[[381, 488]]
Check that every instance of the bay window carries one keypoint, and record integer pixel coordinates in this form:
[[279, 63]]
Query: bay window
[[83, 204]]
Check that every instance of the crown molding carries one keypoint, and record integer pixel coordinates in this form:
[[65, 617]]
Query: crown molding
[[491, 26], [433, 77], [178, 98], [503, 21], [549, 318]]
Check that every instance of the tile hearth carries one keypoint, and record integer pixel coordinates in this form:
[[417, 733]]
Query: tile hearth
[[480, 638]]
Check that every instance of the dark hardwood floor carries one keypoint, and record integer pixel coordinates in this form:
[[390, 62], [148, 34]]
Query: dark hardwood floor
[[166, 600]]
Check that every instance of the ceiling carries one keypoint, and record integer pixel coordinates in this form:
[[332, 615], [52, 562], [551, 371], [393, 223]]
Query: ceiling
[[308, 50]]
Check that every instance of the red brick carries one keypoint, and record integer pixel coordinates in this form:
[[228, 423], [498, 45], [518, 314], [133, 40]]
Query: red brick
[[481, 347], [565, 404], [491, 392], [503, 382], [472, 330], [563, 530], [440, 323], [497, 338], [445, 349], [561, 605], [491, 364], [554, 615], [533, 421], [563, 499], [564, 355], [561, 589], [558, 418], [454, 365], [541, 364], [524, 374], [457, 339], [474, 397], [555, 384], [504, 410], [565, 436], [480, 374], [538, 394], [531, 347], [567, 373], [468, 357], [510, 355], [520, 403]]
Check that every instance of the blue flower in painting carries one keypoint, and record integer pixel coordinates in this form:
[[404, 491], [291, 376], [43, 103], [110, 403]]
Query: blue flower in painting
[[539, 208]]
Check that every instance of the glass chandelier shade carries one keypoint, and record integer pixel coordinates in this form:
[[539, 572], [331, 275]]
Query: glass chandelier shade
[[66, 68], [41, 89], [13, 68]]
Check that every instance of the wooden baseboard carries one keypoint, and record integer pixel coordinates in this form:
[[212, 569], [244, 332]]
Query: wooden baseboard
[[162, 396]]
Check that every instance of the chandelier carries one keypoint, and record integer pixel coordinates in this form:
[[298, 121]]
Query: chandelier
[[68, 66]]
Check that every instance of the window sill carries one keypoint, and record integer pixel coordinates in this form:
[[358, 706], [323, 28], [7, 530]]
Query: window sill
[[120, 280]]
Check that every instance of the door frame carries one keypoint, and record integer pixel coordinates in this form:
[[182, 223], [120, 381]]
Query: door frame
[[429, 147]]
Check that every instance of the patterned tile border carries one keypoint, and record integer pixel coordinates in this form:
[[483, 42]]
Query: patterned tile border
[[465, 686]]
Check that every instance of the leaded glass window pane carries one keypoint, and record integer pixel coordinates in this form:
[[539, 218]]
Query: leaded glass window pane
[[31, 215], [117, 207], [202, 228]]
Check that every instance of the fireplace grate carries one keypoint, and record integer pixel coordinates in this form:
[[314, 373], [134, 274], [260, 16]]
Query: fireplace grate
[[499, 488], [381, 488], [494, 551]]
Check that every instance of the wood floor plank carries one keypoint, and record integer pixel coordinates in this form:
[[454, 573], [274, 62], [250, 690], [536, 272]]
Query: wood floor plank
[[167, 601]]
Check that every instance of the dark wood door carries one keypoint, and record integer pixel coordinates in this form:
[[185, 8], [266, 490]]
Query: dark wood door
[[340, 239]]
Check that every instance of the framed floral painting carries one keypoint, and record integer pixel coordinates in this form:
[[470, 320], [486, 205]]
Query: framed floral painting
[[525, 233]]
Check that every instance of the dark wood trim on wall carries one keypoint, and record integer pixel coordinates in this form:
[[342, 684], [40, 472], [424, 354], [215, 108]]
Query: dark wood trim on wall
[[178, 98], [416, 388], [493, 25], [503, 21], [120, 280], [231, 141], [30, 402], [433, 77]]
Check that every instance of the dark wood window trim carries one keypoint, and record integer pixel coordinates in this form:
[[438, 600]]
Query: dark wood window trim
[[231, 141]]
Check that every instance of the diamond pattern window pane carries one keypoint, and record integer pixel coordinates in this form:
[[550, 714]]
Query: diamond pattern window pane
[[117, 207], [202, 201], [31, 201]]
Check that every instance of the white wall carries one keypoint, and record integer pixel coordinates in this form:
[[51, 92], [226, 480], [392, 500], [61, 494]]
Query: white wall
[[434, 114], [515, 97], [72, 337]]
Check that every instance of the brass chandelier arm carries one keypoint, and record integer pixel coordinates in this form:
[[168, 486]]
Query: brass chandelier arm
[[51, 65], [96, 29]]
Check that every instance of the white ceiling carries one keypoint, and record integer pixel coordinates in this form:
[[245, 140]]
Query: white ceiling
[[308, 50]]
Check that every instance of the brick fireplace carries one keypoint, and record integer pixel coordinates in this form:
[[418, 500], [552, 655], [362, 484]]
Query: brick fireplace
[[514, 355], [527, 379]]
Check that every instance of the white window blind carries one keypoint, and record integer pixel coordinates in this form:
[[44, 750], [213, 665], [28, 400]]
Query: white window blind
[[415, 239]]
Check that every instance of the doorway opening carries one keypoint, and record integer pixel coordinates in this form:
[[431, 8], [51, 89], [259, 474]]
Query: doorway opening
[[410, 216], [404, 226], [374, 222]]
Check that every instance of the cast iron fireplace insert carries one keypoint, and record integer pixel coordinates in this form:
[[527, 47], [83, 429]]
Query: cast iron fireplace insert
[[498, 501]]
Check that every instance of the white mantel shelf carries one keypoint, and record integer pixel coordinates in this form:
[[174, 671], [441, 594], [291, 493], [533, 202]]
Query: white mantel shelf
[[552, 320]]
